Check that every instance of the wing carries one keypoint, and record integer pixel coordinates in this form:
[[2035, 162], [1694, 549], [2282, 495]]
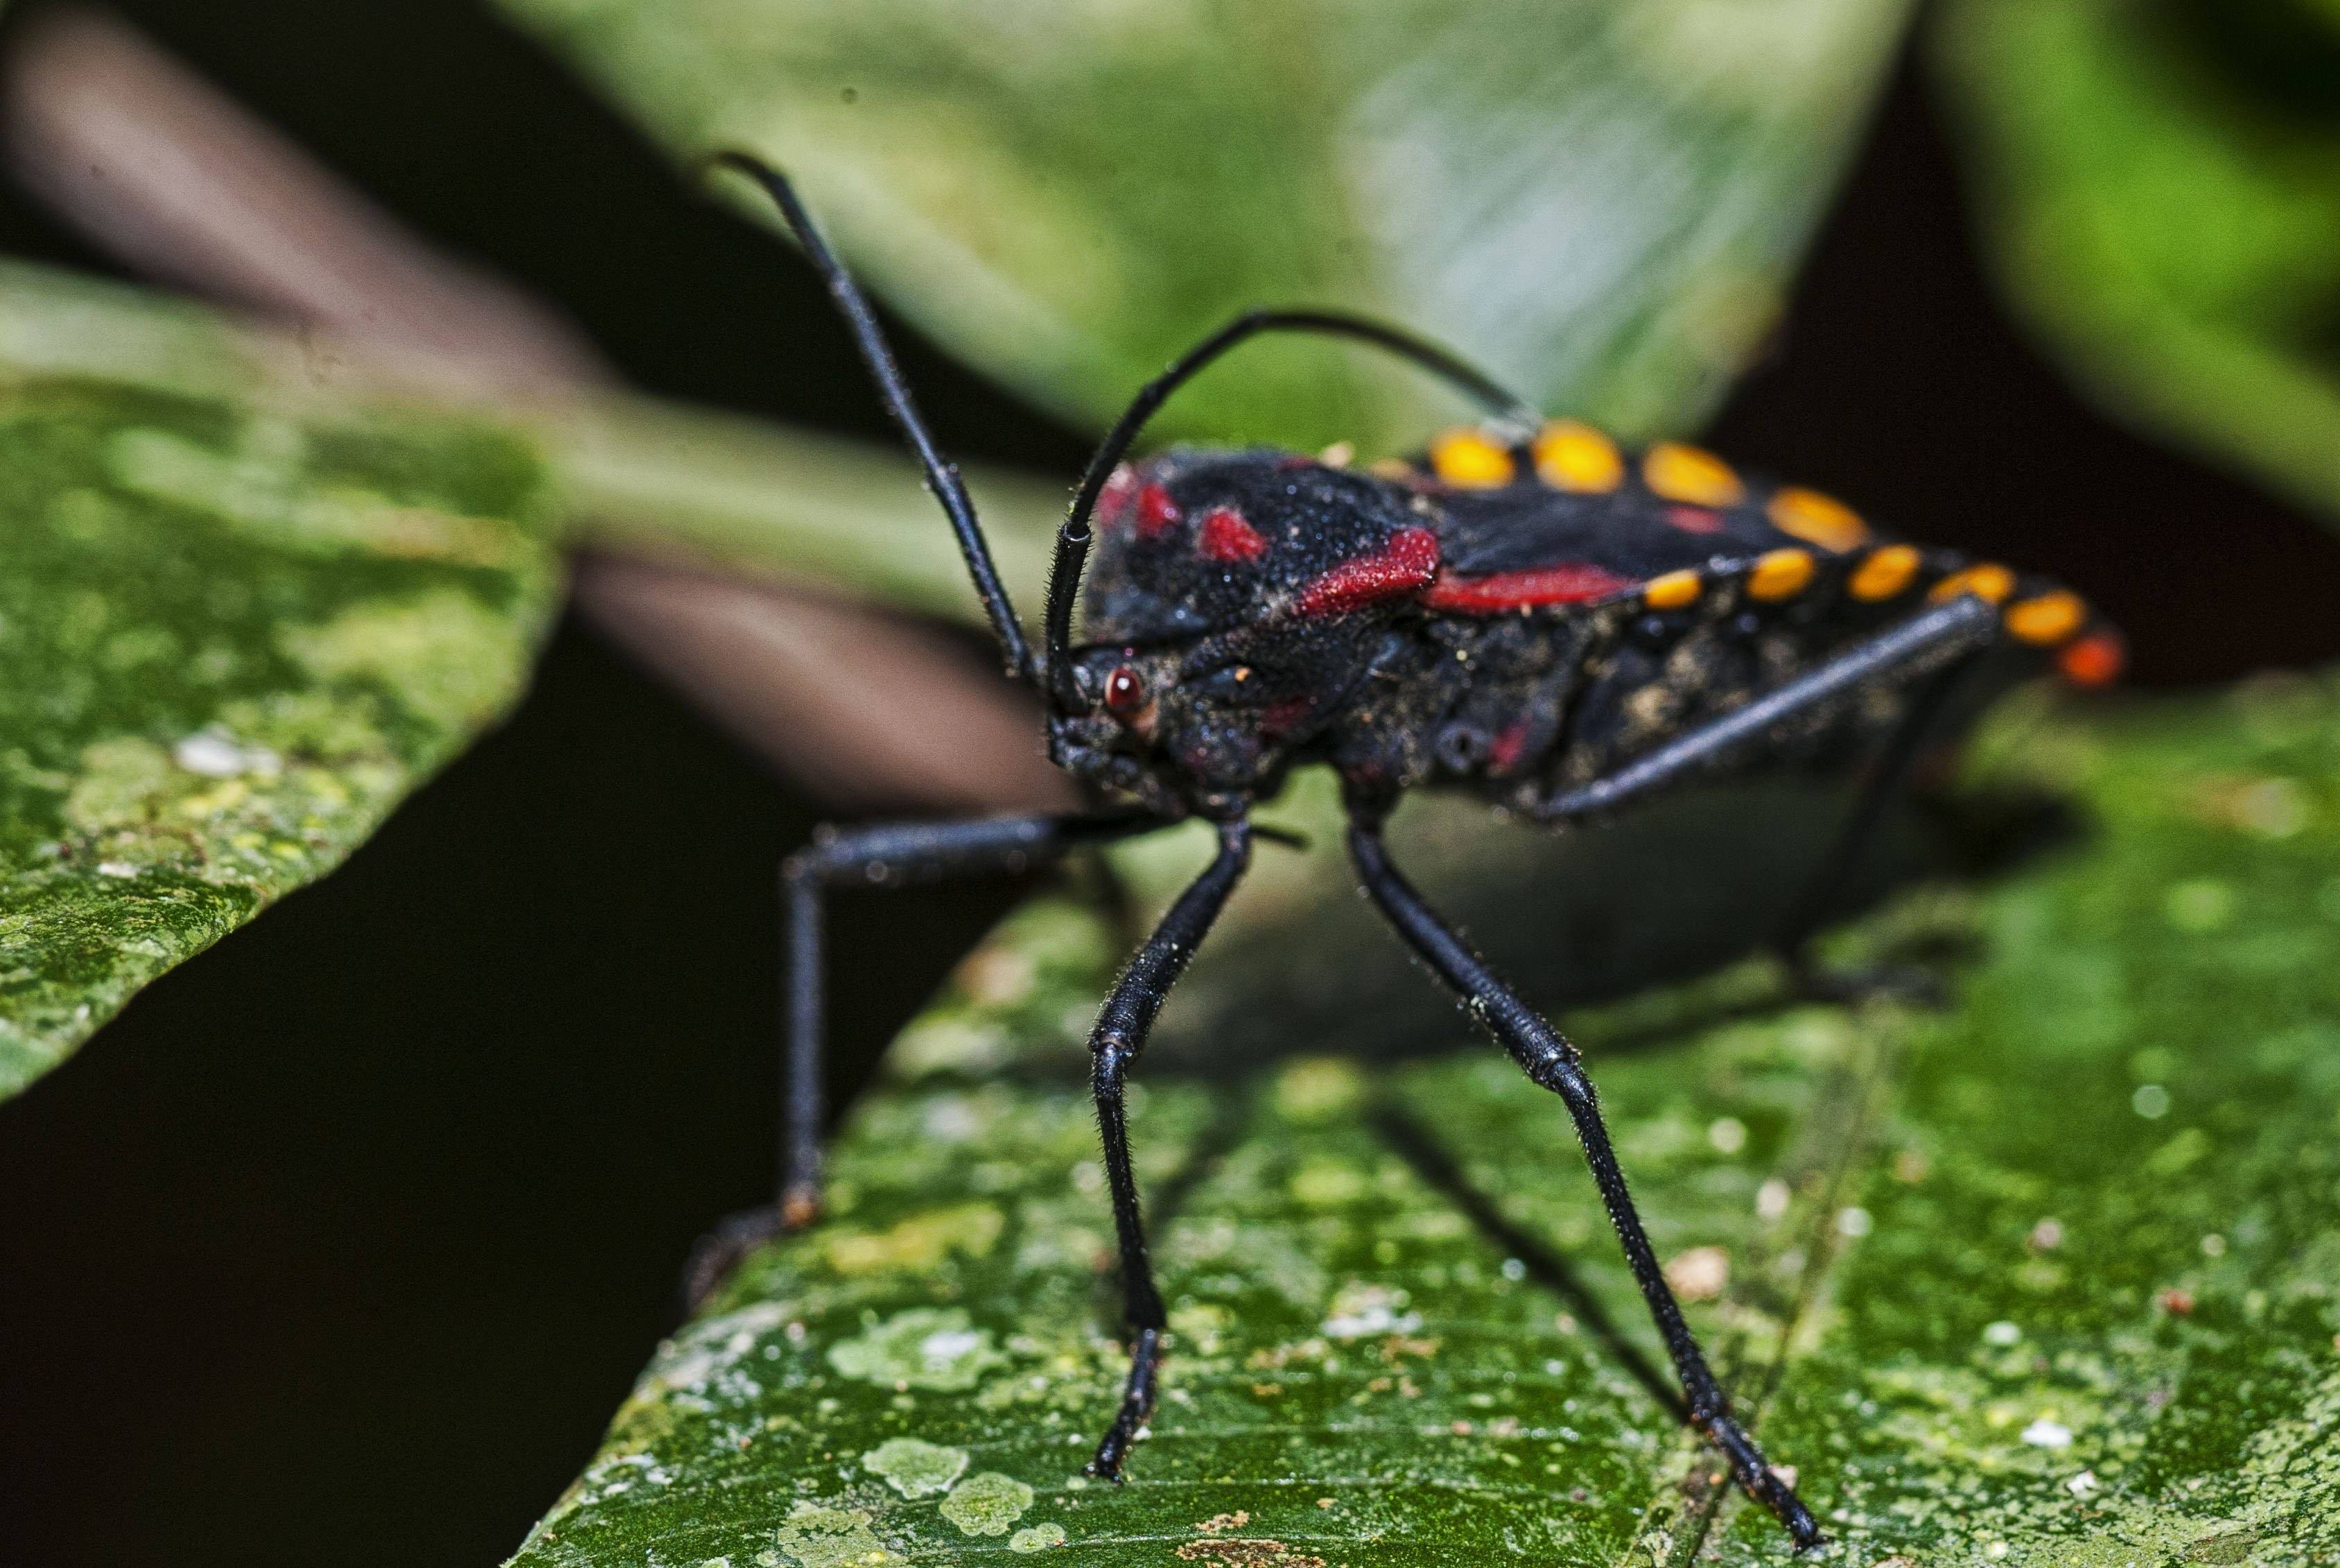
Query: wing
[[1572, 519]]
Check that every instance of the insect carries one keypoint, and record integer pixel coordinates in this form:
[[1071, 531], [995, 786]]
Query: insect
[[1529, 612]]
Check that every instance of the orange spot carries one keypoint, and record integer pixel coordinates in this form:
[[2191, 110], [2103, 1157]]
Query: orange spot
[[1989, 581], [1694, 519], [1818, 519], [1688, 473], [2048, 619], [1576, 456], [1885, 573], [1779, 574], [1672, 591], [1468, 460], [2095, 660]]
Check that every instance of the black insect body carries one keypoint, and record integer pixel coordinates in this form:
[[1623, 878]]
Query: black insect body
[[1528, 612]]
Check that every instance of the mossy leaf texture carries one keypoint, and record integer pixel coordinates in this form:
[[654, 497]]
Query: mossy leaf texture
[[2160, 184], [2048, 1277], [1601, 200], [231, 640]]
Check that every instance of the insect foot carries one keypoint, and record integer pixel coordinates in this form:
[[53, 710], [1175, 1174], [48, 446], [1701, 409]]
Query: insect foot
[[1136, 1405], [714, 1254]]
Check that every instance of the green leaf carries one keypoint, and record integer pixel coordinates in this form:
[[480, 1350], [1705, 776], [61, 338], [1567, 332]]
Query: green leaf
[[2049, 1278], [2160, 186], [236, 628], [1601, 200]]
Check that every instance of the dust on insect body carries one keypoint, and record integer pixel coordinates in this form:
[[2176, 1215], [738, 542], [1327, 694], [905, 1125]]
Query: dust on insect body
[[1510, 613]]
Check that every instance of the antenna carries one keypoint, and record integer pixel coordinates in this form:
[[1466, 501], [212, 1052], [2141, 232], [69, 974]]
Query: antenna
[[942, 476], [1074, 537]]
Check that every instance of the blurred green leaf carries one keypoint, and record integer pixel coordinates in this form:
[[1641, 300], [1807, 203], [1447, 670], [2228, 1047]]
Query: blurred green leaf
[[1602, 200], [231, 639], [2160, 186], [2048, 1279], [260, 584]]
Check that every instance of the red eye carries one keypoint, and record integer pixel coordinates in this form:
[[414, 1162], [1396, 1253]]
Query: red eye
[[1124, 693]]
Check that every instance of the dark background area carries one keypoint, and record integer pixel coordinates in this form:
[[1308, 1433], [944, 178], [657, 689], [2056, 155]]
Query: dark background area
[[344, 1241]]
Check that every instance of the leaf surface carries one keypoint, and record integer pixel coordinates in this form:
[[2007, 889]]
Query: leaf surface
[[2047, 1278], [233, 635]]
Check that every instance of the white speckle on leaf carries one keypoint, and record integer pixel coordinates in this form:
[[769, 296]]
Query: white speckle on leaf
[[214, 754], [2045, 1434], [1359, 1310], [118, 869], [2001, 1334], [2083, 1483]]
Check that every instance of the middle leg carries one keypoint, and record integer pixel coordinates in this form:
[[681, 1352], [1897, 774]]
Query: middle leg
[[1553, 1062], [1114, 1044]]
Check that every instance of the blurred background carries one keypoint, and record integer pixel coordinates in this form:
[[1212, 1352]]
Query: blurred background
[[269, 1303]]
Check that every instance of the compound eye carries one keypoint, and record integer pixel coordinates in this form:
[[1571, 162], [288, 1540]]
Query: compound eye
[[1124, 691]]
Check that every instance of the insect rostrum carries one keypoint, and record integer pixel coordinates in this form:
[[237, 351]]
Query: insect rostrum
[[1528, 612]]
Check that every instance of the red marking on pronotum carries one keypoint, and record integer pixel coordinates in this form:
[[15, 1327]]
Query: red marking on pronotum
[[1113, 501], [1574, 583], [1399, 569], [1225, 536], [1694, 520], [1157, 515]]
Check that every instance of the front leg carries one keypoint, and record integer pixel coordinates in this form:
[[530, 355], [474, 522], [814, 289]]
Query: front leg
[[1115, 1046], [893, 854], [1550, 1061]]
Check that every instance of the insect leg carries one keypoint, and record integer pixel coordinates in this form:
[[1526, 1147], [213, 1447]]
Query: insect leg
[[893, 854], [1943, 633], [1113, 1046], [1553, 1062], [1808, 910]]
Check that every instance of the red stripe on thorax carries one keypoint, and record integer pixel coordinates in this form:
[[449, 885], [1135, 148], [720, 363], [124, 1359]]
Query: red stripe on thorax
[[1575, 584], [1399, 569]]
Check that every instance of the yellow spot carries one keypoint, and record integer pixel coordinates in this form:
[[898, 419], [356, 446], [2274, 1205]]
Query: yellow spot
[[1393, 468], [1469, 461], [2047, 619], [1673, 591], [1686, 473], [1818, 519], [1340, 454], [1989, 581], [1885, 573], [1576, 456], [1779, 574]]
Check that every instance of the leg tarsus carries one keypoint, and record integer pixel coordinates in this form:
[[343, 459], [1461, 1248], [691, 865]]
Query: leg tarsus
[[714, 1257], [1136, 1406]]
